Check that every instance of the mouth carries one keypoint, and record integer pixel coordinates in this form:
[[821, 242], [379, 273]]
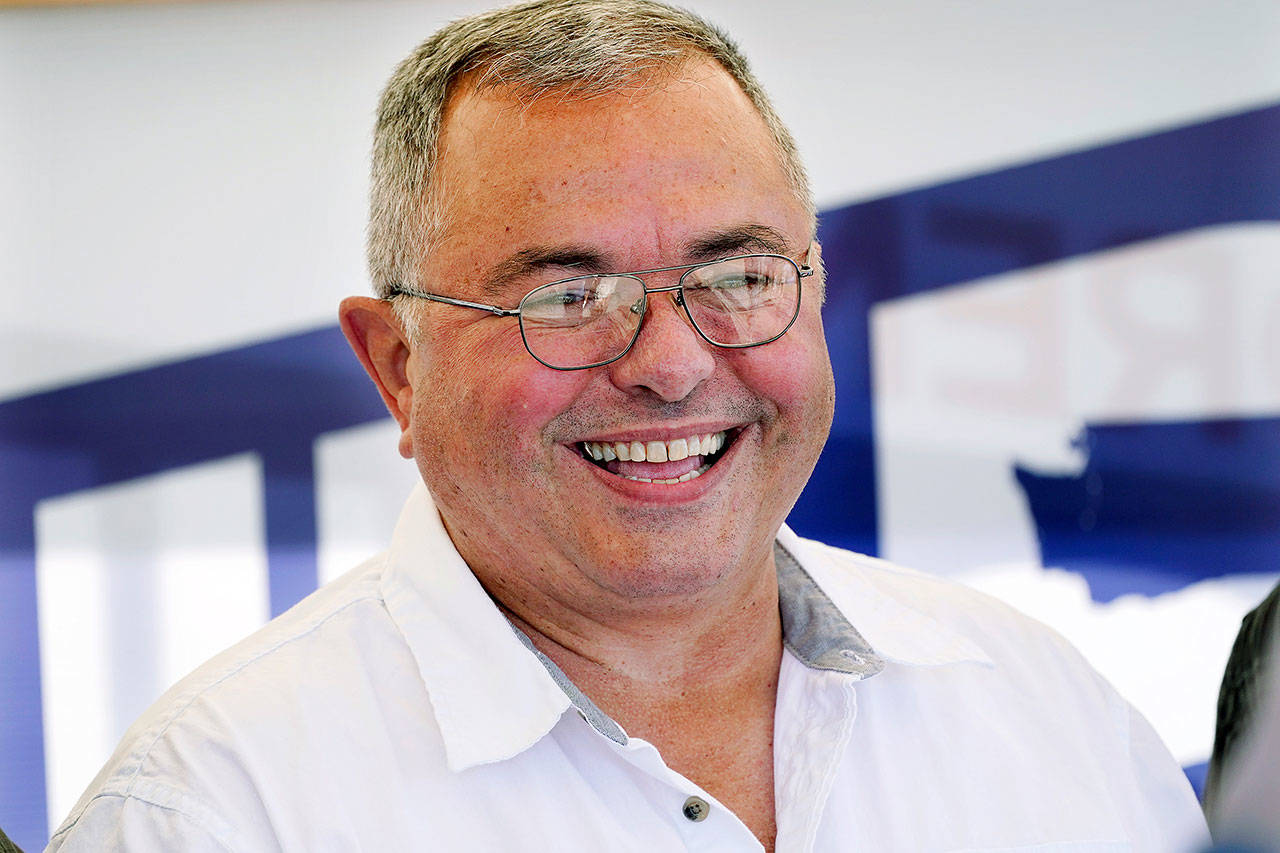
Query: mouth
[[666, 462]]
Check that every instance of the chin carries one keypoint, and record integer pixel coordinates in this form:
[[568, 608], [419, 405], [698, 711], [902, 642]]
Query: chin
[[646, 573], [656, 582]]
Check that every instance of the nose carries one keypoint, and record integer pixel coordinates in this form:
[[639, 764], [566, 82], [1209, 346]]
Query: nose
[[668, 359]]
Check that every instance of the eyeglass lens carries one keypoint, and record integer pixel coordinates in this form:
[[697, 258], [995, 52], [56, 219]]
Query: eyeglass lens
[[590, 320]]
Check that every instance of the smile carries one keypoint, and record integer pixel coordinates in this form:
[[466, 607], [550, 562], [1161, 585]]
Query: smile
[[664, 462]]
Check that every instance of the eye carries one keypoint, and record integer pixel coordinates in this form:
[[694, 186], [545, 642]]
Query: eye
[[733, 289], [565, 303], [743, 280], [570, 297], [566, 294]]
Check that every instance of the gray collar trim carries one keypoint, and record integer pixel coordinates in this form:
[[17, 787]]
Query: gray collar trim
[[813, 629], [588, 710]]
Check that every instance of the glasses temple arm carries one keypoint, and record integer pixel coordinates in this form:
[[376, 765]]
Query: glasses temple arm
[[461, 303]]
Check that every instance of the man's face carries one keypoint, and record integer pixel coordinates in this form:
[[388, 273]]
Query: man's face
[[535, 192]]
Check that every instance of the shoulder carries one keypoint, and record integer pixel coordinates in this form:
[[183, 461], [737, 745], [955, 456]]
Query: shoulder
[[1008, 696], [843, 573], [893, 604], [191, 753]]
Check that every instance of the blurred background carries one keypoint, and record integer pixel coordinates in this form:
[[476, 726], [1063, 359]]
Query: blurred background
[[1052, 231]]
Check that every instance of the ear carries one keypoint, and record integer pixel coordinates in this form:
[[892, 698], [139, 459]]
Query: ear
[[376, 335]]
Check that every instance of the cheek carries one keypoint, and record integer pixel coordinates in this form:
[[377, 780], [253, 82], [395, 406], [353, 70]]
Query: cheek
[[478, 343], [504, 398], [471, 372], [795, 374]]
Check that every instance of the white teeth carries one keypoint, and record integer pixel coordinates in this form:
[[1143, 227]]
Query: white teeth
[[657, 451]]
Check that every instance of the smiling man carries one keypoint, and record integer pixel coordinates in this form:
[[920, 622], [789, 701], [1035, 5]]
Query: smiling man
[[598, 327]]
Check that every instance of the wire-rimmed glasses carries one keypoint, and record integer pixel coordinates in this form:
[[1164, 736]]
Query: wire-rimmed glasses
[[592, 320]]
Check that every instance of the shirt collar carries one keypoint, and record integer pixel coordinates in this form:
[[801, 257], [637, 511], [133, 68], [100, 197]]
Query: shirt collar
[[884, 601], [493, 699]]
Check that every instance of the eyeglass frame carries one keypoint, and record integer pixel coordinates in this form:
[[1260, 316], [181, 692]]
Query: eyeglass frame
[[803, 271]]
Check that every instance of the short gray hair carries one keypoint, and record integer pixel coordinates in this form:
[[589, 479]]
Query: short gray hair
[[584, 47]]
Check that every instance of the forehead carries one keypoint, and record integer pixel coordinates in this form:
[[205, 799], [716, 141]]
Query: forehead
[[640, 170]]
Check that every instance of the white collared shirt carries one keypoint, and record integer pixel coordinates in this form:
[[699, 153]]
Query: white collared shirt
[[397, 709]]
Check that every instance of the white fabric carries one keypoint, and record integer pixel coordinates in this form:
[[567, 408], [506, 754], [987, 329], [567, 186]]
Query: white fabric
[[396, 709]]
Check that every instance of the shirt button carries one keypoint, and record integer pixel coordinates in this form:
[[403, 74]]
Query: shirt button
[[696, 809]]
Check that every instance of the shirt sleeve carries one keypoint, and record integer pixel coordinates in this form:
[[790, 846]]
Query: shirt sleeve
[[115, 823]]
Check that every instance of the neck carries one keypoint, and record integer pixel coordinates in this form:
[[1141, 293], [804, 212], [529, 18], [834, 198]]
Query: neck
[[722, 639], [699, 682]]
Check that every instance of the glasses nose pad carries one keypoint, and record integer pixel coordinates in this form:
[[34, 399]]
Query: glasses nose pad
[[637, 307]]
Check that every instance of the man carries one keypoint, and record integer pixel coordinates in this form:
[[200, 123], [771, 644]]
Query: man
[[1239, 794], [598, 328]]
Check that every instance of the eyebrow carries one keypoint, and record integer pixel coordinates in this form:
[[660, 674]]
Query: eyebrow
[[720, 243], [736, 240], [535, 259]]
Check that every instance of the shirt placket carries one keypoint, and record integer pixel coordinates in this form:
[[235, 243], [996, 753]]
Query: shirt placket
[[703, 823], [812, 728]]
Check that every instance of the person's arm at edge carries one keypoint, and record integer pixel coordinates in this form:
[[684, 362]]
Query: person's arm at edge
[[131, 824]]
